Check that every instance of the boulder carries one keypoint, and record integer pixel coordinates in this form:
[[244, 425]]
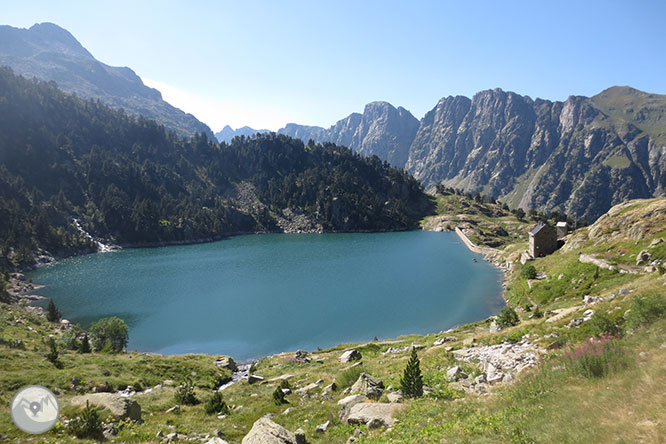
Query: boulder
[[655, 242], [322, 428], [643, 257], [366, 412], [307, 389], [369, 386], [350, 355], [455, 373], [120, 407], [351, 400], [226, 362], [300, 436], [216, 440], [254, 378], [394, 397], [302, 356], [265, 431], [444, 340]]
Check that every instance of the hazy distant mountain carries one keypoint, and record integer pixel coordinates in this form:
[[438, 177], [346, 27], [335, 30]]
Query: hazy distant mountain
[[381, 130], [49, 52], [229, 133]]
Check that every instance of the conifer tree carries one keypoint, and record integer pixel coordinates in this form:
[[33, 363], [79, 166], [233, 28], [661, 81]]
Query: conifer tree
[[52, 312], [85, 344], [412, 381]]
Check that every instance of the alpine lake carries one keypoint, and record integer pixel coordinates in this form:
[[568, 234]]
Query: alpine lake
[[256, 295]]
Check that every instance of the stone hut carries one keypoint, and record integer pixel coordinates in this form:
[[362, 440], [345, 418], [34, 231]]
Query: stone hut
[[543, 240], [562, 229]]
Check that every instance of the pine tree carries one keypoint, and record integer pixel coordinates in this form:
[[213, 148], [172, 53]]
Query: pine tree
[[412, 381], [85, 344], [52, 312], [52, 355]]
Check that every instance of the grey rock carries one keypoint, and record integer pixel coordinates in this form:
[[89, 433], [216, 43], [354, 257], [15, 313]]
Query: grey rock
[[365, 412], [643, 257], [226, 362], [455, 373], [300, 436], [369, 386], [252, 379], [120, 407], [394, 397], [216, 440], [322, 428], [265, 431], [349, 356], [352, 399]]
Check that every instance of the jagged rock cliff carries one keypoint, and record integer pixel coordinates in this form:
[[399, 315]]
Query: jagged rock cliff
[[382, 130], [49, 52], [580, 156]]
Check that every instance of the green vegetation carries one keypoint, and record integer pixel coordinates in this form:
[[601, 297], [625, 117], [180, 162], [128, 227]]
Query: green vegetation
[[278, 396], [52, 313], [185, 392], [507, 317], [348, 377], [528, 272], [411, 383], [216, 405], [109, 334], [52, 355], [130, 181], [618, 162], [646, 309], [87, 425]]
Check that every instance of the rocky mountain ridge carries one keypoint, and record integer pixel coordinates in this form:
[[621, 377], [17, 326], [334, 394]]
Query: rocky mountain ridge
[[227, 133], [50, 53], [580, 156]]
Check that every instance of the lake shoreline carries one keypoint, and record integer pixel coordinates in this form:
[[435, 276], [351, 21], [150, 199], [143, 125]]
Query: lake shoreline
[[501, 282]]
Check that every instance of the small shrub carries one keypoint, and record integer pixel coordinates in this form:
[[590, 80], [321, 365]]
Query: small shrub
[[348, 377], [538, 314], [646, 309], [507, 318], [411, 382], [284, 384], [218, 379], [595, 358], [602, 325], [528, 272], [185, 393], [52, 355], [52, 312], [278, 396], [515, 336], [216, 405], [87, 425]]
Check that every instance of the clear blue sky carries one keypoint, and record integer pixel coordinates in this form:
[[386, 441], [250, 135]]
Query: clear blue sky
[[266, 63]]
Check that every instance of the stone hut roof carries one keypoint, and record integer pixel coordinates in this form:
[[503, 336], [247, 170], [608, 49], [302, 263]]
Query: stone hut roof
[[540, 226]]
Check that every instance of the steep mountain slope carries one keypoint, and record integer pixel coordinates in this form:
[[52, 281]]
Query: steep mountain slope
[[580, 156], [382, 130], [50, 53], [227, 133], [130, 181]]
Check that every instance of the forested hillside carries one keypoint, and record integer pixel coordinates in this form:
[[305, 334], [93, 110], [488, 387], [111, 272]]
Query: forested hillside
[[130, 181]]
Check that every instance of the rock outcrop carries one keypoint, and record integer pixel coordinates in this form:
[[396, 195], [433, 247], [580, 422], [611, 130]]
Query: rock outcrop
[[377, 413], [369, 386], [265, 431], [120, 407]]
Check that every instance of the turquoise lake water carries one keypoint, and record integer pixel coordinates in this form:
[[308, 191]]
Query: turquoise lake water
[[251, 296]]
